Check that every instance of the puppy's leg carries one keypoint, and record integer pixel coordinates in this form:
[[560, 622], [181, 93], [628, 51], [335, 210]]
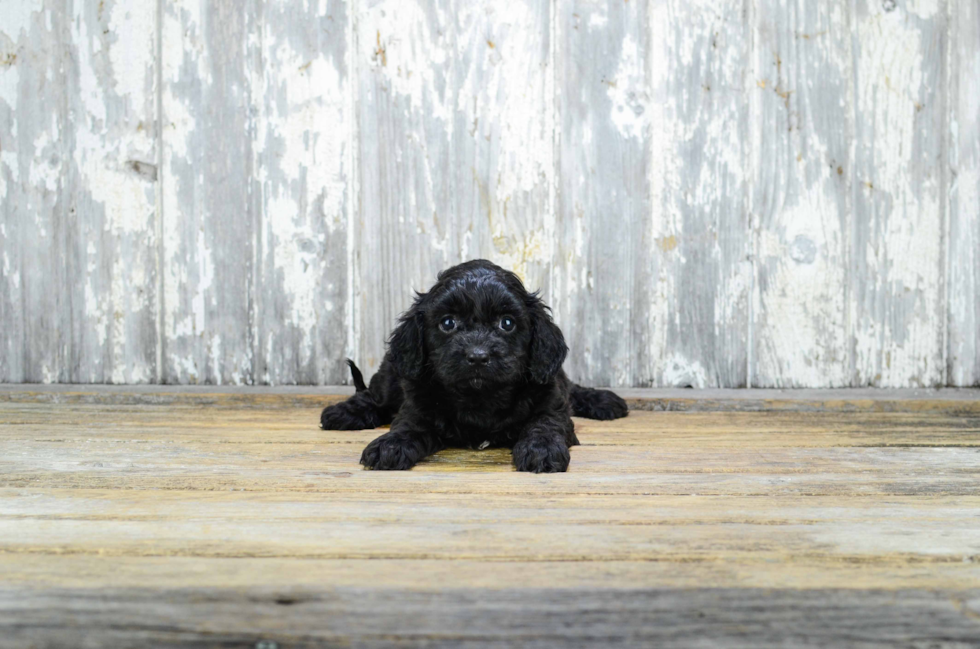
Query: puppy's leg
[[596, 404], [369, 407], [357, 413], [543, 447], [400, 449]]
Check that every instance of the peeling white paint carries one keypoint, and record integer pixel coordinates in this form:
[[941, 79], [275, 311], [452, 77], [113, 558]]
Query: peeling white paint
[[398, 40], [46, 164], [131, 53], [302, 153], [800, 328], [680, 372], [314, 99], [214, 349], [461, 140], [185, 366], [89, 89], [17, 17], [297, 260], [925, 9], [598, 19], [963, 198], [205, 277], [13, 276], [113, 148], [698, 241], [507, 98], [903, 255], [312, 156], [798, 305], [8, 167], [628, 93], [9, 78]]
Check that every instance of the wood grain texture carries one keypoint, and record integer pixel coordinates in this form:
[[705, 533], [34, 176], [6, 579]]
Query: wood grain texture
[[302, 192], [801, 177], [208, 225], [266, 578], [503, 136], [603, 201], [708, 194], [963, 207], [195, 525], [897, 234], [79, 160], [455, 150], [34, 166], [700, 328], [111, 218], [406, 231], [542, 617]]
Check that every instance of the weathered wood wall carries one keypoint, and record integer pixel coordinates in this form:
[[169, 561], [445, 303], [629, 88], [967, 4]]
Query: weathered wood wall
[[723, 193]]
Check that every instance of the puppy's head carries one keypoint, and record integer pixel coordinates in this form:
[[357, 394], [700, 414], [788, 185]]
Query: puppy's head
[[478, 327]]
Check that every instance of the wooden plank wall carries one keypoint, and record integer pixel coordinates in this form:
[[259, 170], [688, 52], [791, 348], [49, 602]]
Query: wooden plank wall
[[767, 193]]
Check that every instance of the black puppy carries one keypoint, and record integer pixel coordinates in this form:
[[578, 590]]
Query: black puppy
[[475, 362]]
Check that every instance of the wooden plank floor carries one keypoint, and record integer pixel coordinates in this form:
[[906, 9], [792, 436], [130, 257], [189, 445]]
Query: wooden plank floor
[[221, 519]]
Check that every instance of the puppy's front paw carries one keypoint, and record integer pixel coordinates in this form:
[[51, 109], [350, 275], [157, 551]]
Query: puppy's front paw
[[541, 454], [391, 452]]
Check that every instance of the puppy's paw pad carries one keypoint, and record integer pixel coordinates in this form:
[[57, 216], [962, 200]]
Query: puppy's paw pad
[[389, 453], [541, 455]]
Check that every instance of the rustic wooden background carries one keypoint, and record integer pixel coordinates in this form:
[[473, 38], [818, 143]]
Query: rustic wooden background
[[709, 193]]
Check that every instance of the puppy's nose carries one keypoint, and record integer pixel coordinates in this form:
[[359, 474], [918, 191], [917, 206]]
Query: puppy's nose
[[477, 356]]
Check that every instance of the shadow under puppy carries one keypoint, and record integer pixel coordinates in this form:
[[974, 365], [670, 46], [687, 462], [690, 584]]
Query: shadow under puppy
[[475, 362]]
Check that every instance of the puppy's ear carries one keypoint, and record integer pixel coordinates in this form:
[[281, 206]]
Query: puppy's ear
[[406, 345], [547, 348]]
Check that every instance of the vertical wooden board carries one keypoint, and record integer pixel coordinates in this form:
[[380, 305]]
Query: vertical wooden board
[[964, 193], [35, 330], [406, 229], [700, 244], [111, 192], [604, 95], [896, 272], [503, 136], [79, 171], [207, 214], [303, 173], [802, 134]]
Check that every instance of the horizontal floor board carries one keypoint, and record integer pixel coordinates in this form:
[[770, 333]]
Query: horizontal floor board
[[232, 519], [622, 528], [105, 458], [277, 574], [338, 482], [533, 616], [645, 428]]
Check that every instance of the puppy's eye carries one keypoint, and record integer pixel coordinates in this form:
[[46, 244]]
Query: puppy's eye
[[447, 324], [507, 323]]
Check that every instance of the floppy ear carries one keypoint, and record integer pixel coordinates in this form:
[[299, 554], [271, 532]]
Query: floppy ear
[[547, 348], [406, 346]]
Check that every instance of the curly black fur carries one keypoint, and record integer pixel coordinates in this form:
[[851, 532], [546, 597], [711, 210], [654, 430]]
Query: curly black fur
[[475, 361]]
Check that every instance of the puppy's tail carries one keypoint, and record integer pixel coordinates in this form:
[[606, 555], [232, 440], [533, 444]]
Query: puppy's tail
[[596, 404], [357, 376]]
